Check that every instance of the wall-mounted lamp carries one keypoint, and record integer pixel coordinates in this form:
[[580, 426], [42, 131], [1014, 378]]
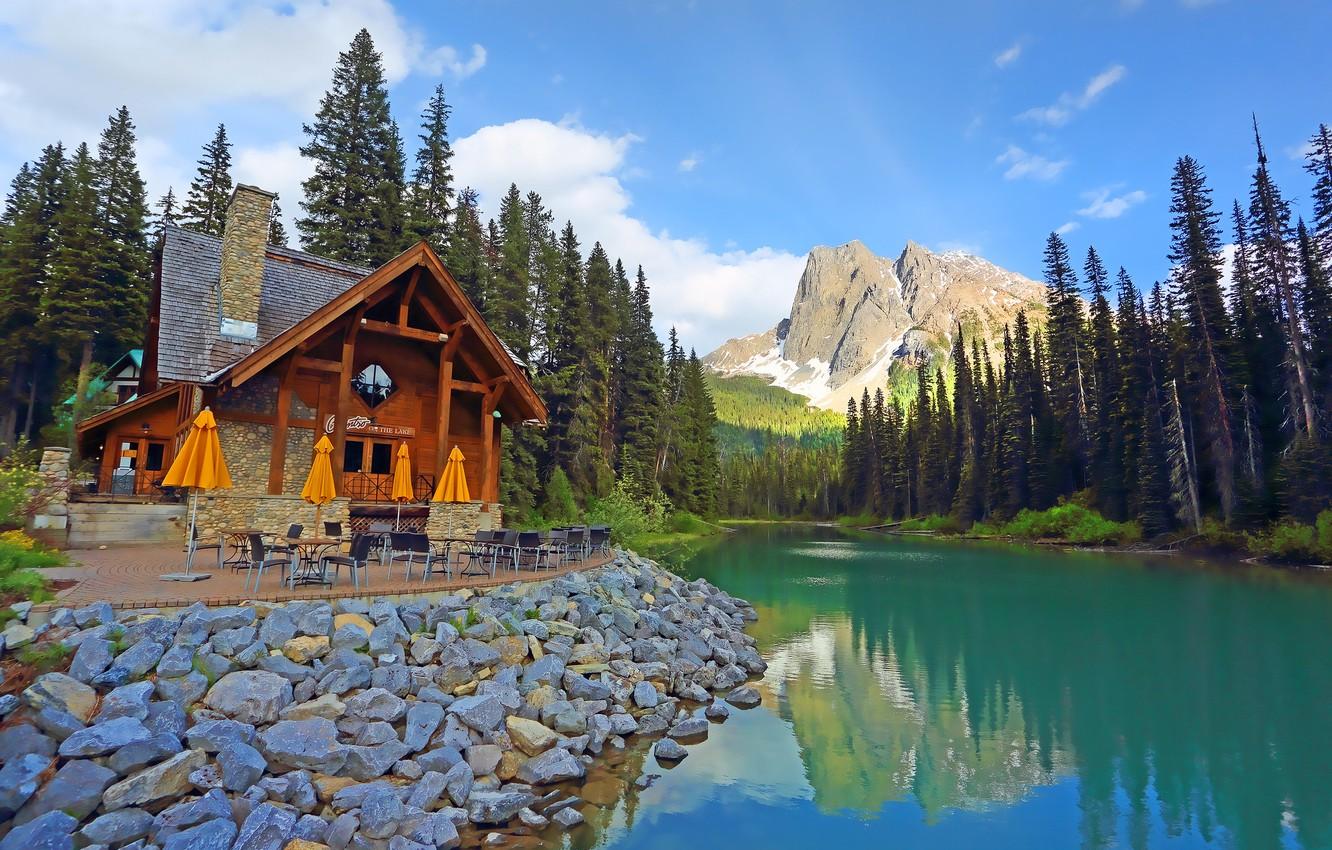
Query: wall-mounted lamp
[[145, 428], [496, 414]]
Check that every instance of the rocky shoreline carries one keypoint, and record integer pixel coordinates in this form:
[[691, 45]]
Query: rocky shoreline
[[379, 725]]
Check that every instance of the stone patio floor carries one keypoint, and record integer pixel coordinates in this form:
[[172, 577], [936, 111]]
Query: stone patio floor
[[129, 577]]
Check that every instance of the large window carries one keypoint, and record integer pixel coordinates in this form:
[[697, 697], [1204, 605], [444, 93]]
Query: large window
[[373, 385], [352, 452], [381, 458]]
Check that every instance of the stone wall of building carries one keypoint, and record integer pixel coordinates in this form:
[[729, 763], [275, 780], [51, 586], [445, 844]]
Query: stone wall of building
[[461, 519], [51, 522], [247, 447], [259, 396], [296, 464], [270, 513]]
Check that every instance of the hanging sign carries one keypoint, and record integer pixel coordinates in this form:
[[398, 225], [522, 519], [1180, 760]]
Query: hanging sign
[[364, 426]]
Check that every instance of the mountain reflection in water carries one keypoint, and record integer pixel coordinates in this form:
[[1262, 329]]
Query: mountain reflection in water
[[929, 694]]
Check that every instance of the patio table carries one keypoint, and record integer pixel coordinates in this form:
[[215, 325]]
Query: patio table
[[305, 569], [477, 551], [239, 541]]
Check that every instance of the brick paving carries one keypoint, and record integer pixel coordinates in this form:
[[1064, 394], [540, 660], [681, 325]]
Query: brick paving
[[128, 577]]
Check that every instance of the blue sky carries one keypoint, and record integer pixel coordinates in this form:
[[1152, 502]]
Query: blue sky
[[717, 142]]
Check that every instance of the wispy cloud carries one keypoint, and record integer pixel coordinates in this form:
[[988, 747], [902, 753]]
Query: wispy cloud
[[447, 58], [1067, 227], [1300, 152], [690, 162], [1104, 203], [1069, 104], [1024, 164], [1009, 55]]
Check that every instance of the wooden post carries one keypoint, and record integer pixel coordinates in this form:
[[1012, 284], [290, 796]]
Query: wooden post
[[277, 458], [487, 445], [442, 413], [343, 409]]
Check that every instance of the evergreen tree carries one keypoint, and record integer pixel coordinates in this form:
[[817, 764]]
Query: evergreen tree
[[430, 196], [277, 233], [206, 201], [1316, 301], [1065, 334], [1107, 447], [508, 307], [353, 201], [641, 383], [1195, 252], [465, 255], [122, 219], [166, 210], [1319, 165]]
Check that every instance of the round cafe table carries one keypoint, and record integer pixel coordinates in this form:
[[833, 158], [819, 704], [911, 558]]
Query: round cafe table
[[306, 569], [239, 541]]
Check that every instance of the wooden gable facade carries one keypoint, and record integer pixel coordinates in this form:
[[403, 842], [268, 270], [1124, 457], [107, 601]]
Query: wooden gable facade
[[401, 356]]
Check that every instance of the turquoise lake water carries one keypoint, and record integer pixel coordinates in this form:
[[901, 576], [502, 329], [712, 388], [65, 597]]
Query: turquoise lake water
[[933, 694]]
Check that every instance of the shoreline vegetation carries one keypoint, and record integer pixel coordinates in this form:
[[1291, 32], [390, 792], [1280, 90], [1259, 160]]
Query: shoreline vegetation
[[1289, 543]]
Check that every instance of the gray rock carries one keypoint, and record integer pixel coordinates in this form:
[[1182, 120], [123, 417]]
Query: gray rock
[[669, 750], [183, 690], [370, 762], [51, 831], [166, 717], [231, 641], [717, 711], [580, 687], [423, 718], [545, 671], [91, 659], [494, 807], [349, 637], [480, 654], [439, 759], [285, 667], [483, 758], [210, 835], [213, 736], [277, 628], [241, 766], [58, 691], [311, 828], [458, 782], [19, 779], [744, 697], [381, 813], [376, 704], [56, 723], [163, 781], [482, 713], [426, 790], [567, 818], [95, 614], [250, 696], [76, 789], [437, 830], [310, 744], [17, 634], [533, 820], [646, 696], [176, 661], [398, 842], [125, 701], [267, 828], [132, 663], [211, 806], [377, 732], [116, 828], [24, 739], [127, 760], [8, 702], [555, 765], [105, 738], [344, 826], [394, 678]]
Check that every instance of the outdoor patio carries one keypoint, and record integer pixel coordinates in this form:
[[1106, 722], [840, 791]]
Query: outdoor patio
[[129, 577]]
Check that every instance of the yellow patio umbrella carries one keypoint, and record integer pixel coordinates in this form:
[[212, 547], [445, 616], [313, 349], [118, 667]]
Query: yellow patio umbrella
[[319, 489], [402, 480], [198, 465], [452, 483]]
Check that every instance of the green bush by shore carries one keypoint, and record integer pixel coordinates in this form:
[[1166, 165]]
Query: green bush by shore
[[1071, 523]]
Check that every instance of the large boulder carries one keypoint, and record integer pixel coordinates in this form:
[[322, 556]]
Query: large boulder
[[19, 780], [51, 831], [530, 736], [310, 744], [210, 835], [267, 828], [75, 789], [482, 713], [250, 696], [105, 738], [64, 693], [164, 781], [555, 765]]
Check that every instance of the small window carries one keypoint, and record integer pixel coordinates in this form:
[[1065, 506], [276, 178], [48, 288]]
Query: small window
[[352, 454], [128, 456], [373, 385], [381, 458], [153, 462]]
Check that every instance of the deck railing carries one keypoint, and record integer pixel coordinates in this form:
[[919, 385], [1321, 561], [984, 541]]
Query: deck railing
[[364, 487]]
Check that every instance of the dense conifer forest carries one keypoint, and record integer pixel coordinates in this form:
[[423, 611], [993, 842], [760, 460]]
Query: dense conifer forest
[[628, 417]]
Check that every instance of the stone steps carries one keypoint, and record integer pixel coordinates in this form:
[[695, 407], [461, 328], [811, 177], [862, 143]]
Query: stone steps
[[93, 524]]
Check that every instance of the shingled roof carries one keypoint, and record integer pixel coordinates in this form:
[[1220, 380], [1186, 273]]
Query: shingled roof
[[190, 346]]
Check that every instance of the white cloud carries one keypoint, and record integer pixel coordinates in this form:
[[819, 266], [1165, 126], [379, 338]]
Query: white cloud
[[1009, 55], [1069, 103], [1022, 164], [709, 295], [1103, 203], [1300, 152], [1067, 227], [279, 168], [690, 162], [65, 66]]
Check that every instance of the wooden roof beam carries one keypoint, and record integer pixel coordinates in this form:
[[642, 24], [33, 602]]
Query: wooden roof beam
[[418, 334]]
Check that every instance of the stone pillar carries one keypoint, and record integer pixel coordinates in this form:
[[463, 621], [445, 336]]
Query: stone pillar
[[244, 240], [51, 522]]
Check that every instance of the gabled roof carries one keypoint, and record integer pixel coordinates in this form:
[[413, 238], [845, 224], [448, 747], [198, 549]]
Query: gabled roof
[[190, 346], [133, 357], [325, 314], [138, 403]]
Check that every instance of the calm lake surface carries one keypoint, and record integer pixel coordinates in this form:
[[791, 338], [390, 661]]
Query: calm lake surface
[[932, 694]]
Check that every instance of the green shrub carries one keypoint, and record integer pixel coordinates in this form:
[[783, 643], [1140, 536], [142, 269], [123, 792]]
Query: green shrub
[[44, 657], [858, 520], [683, 522], [18, 570], [18, 480], [1069, 522], [1297, 542], [628, 515], [933, 522], [559, 506]]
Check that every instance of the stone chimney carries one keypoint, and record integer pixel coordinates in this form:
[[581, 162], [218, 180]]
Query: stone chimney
[[244, 240]]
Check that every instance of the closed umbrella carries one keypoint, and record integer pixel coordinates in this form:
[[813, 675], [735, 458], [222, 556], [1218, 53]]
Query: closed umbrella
[[198, 465], [319, 489], [402, 481], [452, 483]]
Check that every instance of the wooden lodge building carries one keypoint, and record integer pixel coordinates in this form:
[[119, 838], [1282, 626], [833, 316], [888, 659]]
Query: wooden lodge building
[[284, 347]]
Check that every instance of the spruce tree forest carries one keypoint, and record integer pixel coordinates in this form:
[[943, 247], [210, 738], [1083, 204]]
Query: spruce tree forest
[[1185, 406], [1196, 400], [628, 416]]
